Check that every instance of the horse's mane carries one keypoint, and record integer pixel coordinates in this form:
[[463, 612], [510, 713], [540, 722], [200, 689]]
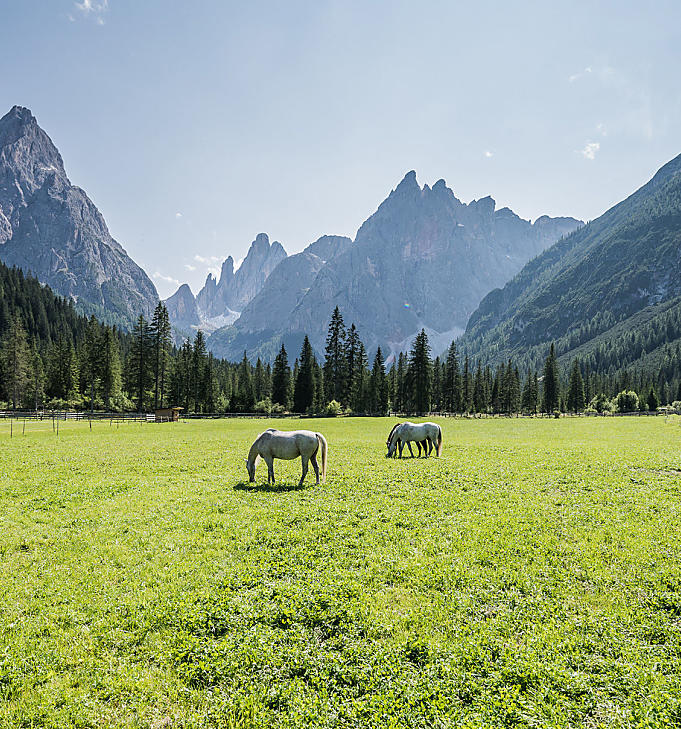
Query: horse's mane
[[397, 425]]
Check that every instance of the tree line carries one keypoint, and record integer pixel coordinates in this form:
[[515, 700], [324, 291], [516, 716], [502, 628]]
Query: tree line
[[51, 356]]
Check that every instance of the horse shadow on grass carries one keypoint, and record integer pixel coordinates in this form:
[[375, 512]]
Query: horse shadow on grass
[[270, 488]]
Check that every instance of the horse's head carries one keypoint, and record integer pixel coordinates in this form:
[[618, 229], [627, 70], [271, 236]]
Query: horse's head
[[250, 467]]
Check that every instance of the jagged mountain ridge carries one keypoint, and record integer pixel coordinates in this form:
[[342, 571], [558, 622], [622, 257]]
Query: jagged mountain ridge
[[52, 229], [423, 259], [221, 300], [608, 273]]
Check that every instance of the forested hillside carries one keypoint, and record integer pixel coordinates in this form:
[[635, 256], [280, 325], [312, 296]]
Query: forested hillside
[[609, 293]]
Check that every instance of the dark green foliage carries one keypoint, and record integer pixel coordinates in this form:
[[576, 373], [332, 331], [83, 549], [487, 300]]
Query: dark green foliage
[[551, 385], [15, 363], [419, 374], [576, 398], [335, 364], [281, 380], [304, 389]]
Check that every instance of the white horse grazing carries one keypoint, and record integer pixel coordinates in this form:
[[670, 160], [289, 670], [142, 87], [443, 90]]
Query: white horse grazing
[[401, 444], [431, 433], [287, 445]]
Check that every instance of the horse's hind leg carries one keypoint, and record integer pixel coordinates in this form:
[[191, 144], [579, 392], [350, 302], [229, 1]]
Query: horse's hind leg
[[313, 461], [304, 459], [411, 452]]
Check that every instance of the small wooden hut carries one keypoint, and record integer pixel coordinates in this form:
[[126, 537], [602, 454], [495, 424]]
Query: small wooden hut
[[167, 415]]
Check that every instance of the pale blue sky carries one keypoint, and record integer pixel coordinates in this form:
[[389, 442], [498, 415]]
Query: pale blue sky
[[195, 125]]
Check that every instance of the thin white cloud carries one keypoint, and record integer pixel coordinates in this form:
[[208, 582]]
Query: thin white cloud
[[602, 129], [590, 149], [189, 267], [92, 8], [488, 153], [178, 215], [167, 279], [208, 260], [576, 76]]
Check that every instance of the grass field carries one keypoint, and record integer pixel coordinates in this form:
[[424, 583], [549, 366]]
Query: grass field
[[531, 577]]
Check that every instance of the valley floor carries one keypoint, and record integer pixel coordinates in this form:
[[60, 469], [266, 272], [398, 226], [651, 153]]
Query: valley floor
[[531, 577]]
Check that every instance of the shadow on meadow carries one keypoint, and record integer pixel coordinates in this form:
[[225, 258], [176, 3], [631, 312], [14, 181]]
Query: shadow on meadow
[[268, 487]]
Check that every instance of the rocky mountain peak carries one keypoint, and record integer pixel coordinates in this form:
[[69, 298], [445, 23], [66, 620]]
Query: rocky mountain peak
[[51, 228]]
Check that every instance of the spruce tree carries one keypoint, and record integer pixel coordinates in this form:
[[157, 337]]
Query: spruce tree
[[37, 374], [420, 373], [352, 345], [303, 393], [110, 370], [378, 387], [160, 332], [91, 359], [245, 397], [551, 385], [139, 362], [335, 365], [576, 398], [452, 383], [199, 360], [281, 380], [15, 358]]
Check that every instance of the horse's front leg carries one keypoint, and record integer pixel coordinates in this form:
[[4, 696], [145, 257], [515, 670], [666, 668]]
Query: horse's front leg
[[304, 459], [401, 447], [411, 452], [313, 461], [270, 470]]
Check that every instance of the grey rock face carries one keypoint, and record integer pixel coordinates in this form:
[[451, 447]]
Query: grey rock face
[[234, 290], [51, 228], [288, 284], [182, 308], [423, 259]]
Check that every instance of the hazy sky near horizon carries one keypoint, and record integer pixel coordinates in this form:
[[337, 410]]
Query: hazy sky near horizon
[[195, 126]]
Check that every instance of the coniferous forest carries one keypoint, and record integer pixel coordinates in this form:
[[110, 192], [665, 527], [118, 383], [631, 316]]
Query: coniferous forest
[[53, 357]]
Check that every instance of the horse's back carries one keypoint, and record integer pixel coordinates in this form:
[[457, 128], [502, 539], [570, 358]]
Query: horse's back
[[288, 444]]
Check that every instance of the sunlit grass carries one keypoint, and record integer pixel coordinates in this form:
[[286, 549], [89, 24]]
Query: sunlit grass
[[529, 577]]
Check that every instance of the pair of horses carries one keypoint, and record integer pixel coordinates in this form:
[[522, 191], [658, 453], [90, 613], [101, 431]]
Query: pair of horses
[[305, 444]]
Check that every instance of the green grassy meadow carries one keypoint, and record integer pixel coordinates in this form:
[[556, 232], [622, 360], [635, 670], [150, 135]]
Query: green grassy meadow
[[531, 577]]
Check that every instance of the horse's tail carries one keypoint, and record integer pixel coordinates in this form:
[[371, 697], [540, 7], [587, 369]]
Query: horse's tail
[[323, 447], [439, 441]]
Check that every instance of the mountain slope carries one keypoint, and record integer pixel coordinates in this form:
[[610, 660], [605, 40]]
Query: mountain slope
[[267, 315], [618, 265], [51, 228], [423, 259]]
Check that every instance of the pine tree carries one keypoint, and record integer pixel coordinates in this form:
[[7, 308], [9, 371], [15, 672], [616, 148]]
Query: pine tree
[[360, 380], [281, 380], [260, 381], [653, 400], [479, 400], [161, 340], [15, 362], [452, 383], [139, 362], [335, 364], [91, 359], [419, 373], [199, 360], [352, 345], [245, 396], [110, 370], [15, 358], [466, 388], [551, 385], [401, 385], [303, 393], [576, 397], [37, 374], [378, 387]]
